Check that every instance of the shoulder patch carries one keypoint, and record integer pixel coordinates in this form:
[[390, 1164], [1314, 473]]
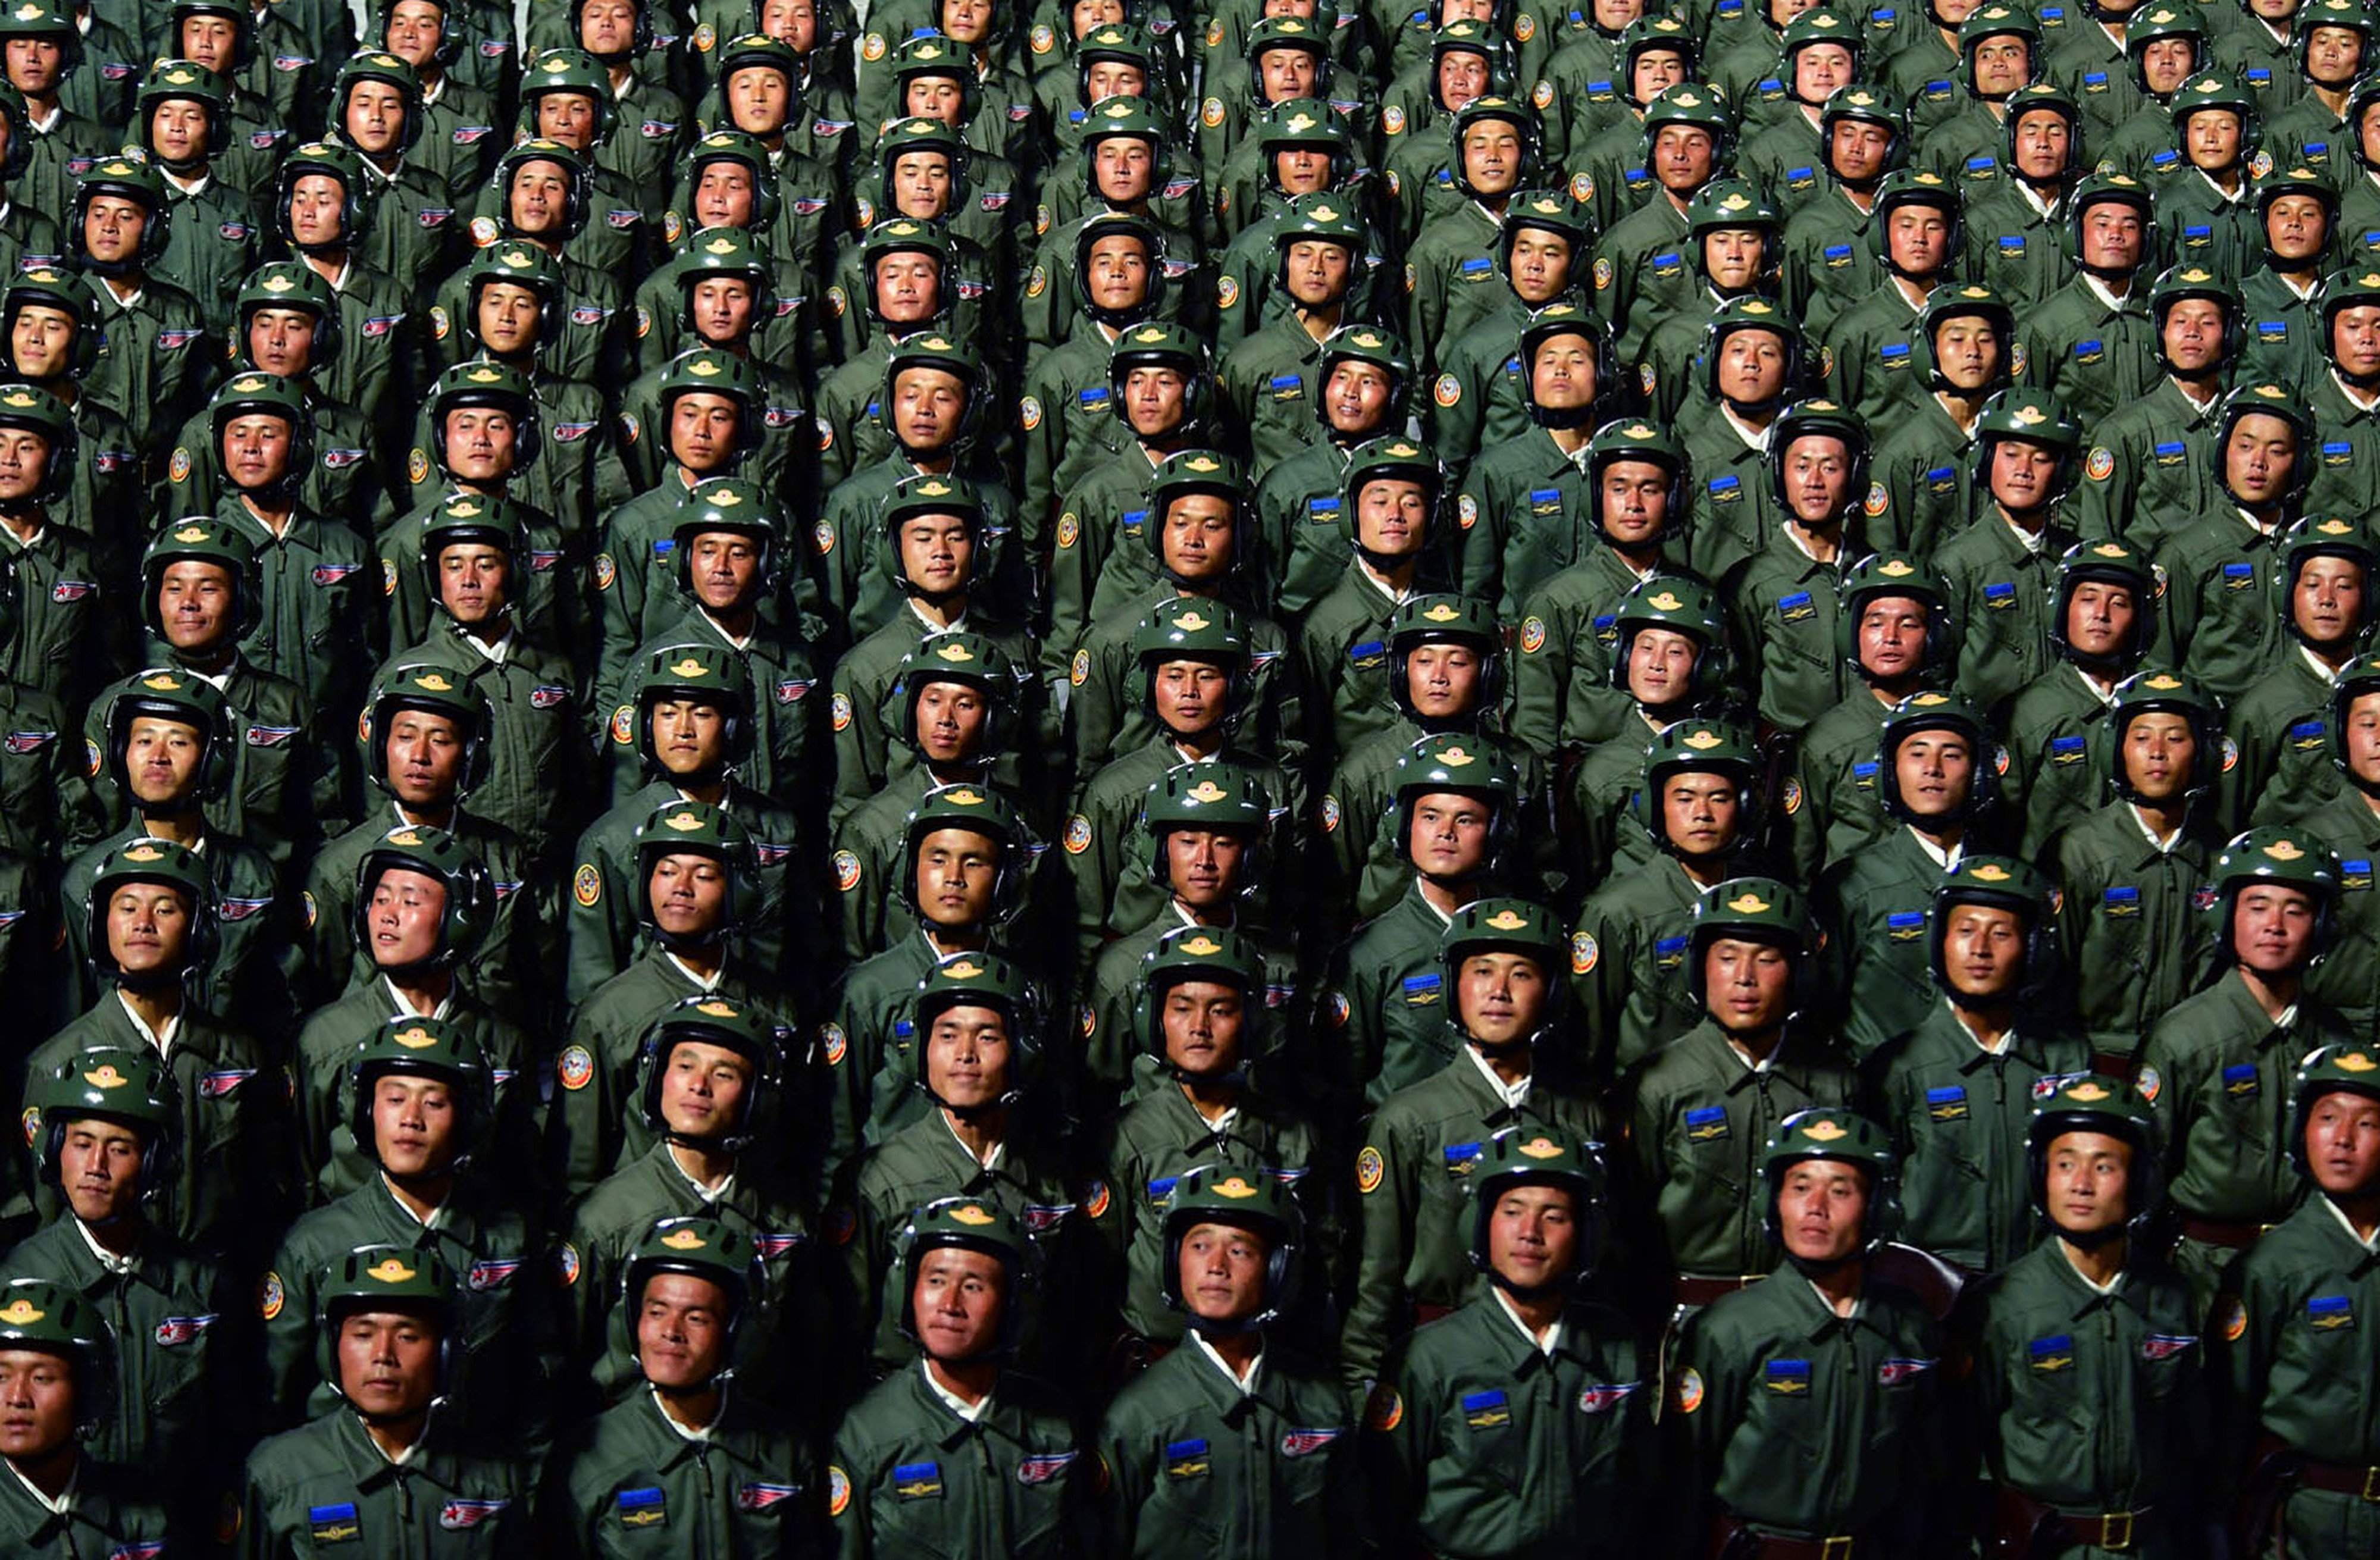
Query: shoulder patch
[[1369, 1168]]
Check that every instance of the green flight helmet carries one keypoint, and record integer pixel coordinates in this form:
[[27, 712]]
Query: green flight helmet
[[969, 1224], [1634, 439], [1187, 472], [241, 18], [1695, 106], [921, 134], [1863, 103], [729, 1024], [571, 71], [430, 1048], [731, 253], [1819, 419], [2287, 857], [1758, 910], [711, 370], [1195, 628], [48, 1318], [536, 148], [1815, 27], [1470, 35], [2161, 691], [2103, 188], [2297, 179], [518, 263], [433, 852], [379, 65], [2327, 536], [910, 236], [2267, 399], [1128, 119], [2093, 1102], [120, 1085], [697, 829], [926, 494], [1556, 320], [1325, 217], [466, 519], [1303, 124], [1932, 710], [2111, 562], [28, 408], [2356, 679], [1919, 188], [51, 21], [930, 54], [1488, 108], [955, 656], [167, 693], [976, 809], [1650, 34], [291, 284], [1099, 228], [1501, 924], [2213, 90], [729, 145], [258, 394], [330, 160], [1830, 1132], [1458, 764], [1521, 1156], [2034, 417], [759, 51], [1676, 604], [1209, 794], [181, 80], [1727, 204], [1391, 457], [2002, 19], [1216, 955], [126, 180], [1695, 747], [2151, 24], [2347, 15], [2341, 291], [733, 506], [1377, 346], [382, 1280], [1752, 313], [429, 690], [693, 1246], [2036, 97], [1996, 883], [1157, 344], [1120, 43], [1237, 1197], [989, 981], [1556, 211], [2361, 97], [50, 286], [1447, 619], [1887, 574], [1301, 33], [161, 864], [931, 349], [2343, 1068], [705, 673], [2184, 282]]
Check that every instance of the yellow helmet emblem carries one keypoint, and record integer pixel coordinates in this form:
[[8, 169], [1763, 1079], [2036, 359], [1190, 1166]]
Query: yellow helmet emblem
[[1204, 463], [957, 655], [483, 376], [964, 969], [1701, 739], [1508, 921], [404, 837], [1193, 621], [1637, 430], [720, 246], [278, 283], [2355, 1061], [685, 823], [2030, 415], [1202, 945], [1666, 602], [1748, 903], [519, 258], [2284, 849], [2164, 681], [967, 798], [389, 1270], [415, 1039], [1825, 1130], [21, 1312], [191, 533], [704, 368], [1990, 872], [1896, 568], [145, 854], [105, 1077], [1207, 790], [463, 509], [935, 488], [165, 682], [1541, 1148], [1235, 1187], [1457, 757], [683, 1240], [432, 682], [1324, 214], [2087, 1092], [689, 667], [717, 1009], [249, 385], [970, 1213]]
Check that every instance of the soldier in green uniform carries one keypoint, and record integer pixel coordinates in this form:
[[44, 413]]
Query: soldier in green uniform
[[960, 1451], [1701, 1107], [182, 120], [60, 642], [1229, 1446], [2151, 468], [2345, 403], [2102, 619], [2131, 867], [1476, 401], [2350, 982], [1689, 140], [2091, 343], [2000, 570], [1521, 1425], [1451, 276], [2089, 1380], [2297, 1386], [1393, 514], [61, 1503], [1516, 1065], [1922, 494], [2326, 596], [1786, 599], [419, 1107], [704, 1464], [2015, 244], [383, 1467], [2216, 1065], [115, 232], [1956, 1092], [2297, 208], [1525, 510], [1266, 379], [1916, 230], [1808, 1404]]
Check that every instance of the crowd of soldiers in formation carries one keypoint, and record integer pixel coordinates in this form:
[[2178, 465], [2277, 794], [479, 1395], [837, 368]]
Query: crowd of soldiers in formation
[[1100, 781]]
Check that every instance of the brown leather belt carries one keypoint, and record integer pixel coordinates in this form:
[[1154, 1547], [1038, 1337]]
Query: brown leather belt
[[1691, 1291], [2341, 1479], [1840, 1547], [2106, 1530], [2236, 1234]]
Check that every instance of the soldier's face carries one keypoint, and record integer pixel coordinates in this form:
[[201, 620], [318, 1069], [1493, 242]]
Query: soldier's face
[[1315, 272], [934, 97], [2166, 63], [1919, 238], [1539, 264], [725, 567], [607, 27], [795, 22], [1752, 366], [424, 756], [957, 870], [1634, 497], [689, 735], [2113, 235], [1491, 156], [1702, 813], [1562, 374], [682, 1325], [2022, 475], [704, 430], [1124, 167], [1302, 169], [474, 581], [1114, 79], [1821, 1206], [1613, 15], [1655, 71], [280, 341], [482, 442], [36, 65], [1734, 257], [2002, 64], [195, 602], [1204, 867], [318, 209], [687, 894], [2334, 56], [1356, 397], [161, 758], [41, 341], [957, 1302], [2088, 1182], [967, 1057], [1892, 637], [2355, 339], [1967, 349], [388, 1364], [178, 130], [37, 1395], [2362, 734], [760, 100], [1448, 837], [2260, 456], [1818, 69], [2160, 755], [2043, 142], [722, 194], [1284, 74], [1202, 1021], [404, 917], [908, 287], [1982, 951], [539, 199], [1532, 1237], [208, 40], [1936, 771], [703, 1088], [2327, 601], [950, 718], [2099, 618], [1660, 666], [413, 1125], [99, 1169], [1392, 518], [1502, 996], [2271, 10], [415, 30], [937, 552], [1191, 697], [1683, 156], [1462, 76], [928, 406], [1444, 680], [256, 448], [2193, 334], [1818, 478], [2296, 226], [567, 117], [1085, 15], [1747, 985], [1223, 1272], [1154, 399], [2343, 1144], [1195, 544], [967, 21], [24, 462], [1115, 273], [375, 119], [112, 227], [721, 308], [2211, 140]]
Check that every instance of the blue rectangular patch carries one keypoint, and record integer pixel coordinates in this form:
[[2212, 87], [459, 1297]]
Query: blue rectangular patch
[[1486, 1410], [1706, 1124], [1462, 1157], [2011, 244], [2330, 1314], [1905, 925], [2121, 902], [1946, 1103], [2240, 1081], [2054, 1353], [918, 1481], [1788, 1377], [1893, 351], [2068, 750], [2169, 449], [1421, 991]]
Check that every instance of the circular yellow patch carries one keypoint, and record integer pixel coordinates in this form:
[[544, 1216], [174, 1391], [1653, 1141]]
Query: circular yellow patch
[[1384, 1410], [1369, 1168], [1690, 1390], [586, 886]]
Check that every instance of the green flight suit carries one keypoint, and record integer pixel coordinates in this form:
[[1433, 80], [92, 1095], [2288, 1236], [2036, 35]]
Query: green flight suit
[[538, 773], [2281, 339], [1297, 516], [319, 590], [1641, 273], [311, 1490], [1700, 1113], [1923, 493], [1826, 265], [1112, 1060], [1387, 998], [2281, 727], [1526, 515], [1062, 414], [786, 762], [864, 712], [2346, 467], [1476, 402], [2002, 590], [2093, 355], [2349, 980], [63, 641], [213, 241], [1107, 705], [284, 773], [155, 365], [2216, 617], [2013, 242], [1343, 660], [2128, 931], [911, 1479], [637, 1484], [1365, 855], [1628, 961], [1452, 280], [1838, 766], [1561, 690], [251, 973], [115, 1511], [1782, 606], [2054, 731], [2150, 470], [1874, 906], [1270, 383], [549, 599]]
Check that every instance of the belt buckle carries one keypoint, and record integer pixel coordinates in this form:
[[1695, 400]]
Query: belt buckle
[[2116, 1530], [2372, 1485], [1835, 1548]]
